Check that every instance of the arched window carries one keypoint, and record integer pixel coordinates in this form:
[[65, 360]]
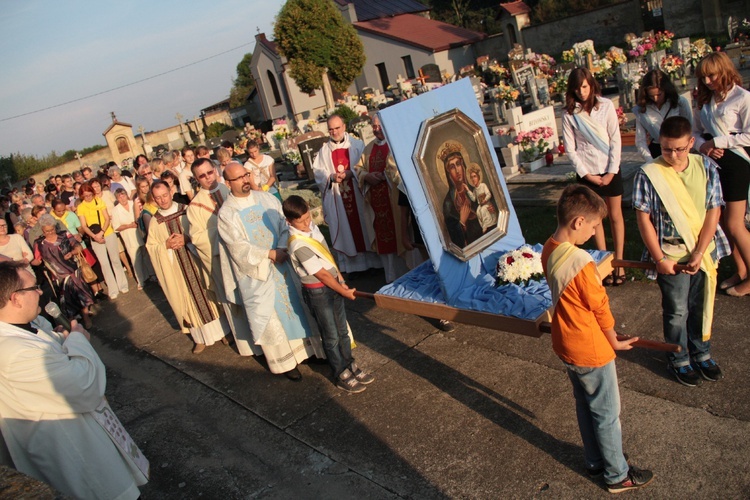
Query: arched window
[[122, 145], [274, 88]]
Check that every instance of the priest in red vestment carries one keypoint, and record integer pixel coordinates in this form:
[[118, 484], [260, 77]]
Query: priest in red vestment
[[343, 203]]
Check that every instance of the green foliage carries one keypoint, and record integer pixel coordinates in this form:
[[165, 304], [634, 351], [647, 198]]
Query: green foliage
[[346, 113], [314, 36], [244, 84], [476, 15], [20, 166], [216, 129]]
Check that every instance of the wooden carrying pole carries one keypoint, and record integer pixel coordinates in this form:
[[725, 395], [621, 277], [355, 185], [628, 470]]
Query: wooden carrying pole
[[543, 326]]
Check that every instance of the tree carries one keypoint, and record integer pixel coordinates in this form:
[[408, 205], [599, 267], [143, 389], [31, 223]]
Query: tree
[[319, 45], [244, 84]]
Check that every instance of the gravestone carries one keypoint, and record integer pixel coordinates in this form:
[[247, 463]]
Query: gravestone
[[308, 150], [213, 142], [522, 74], [476, 84], [542, 89], [230, 135], [362, 126], [654, 59], [431, 73]]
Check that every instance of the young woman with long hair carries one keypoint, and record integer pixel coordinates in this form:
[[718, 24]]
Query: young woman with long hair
[[591, 135], [657, 100], [722, 132]]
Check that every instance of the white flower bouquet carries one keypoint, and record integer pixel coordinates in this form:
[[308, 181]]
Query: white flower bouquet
[[519, 266]]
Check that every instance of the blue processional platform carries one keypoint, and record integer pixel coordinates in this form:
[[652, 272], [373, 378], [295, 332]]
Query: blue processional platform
[[445, 286]]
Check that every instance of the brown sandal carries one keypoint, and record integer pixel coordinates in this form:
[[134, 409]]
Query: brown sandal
[[608, 280], [618, 279]]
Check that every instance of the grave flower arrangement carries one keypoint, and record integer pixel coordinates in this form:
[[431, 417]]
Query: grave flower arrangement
[[519, 266], [568, 56], [616, 56], [534, 144], [507, 93], [543, 63], [698, 49], [672, 65], [663, 39], [602, 68], [641, 47]]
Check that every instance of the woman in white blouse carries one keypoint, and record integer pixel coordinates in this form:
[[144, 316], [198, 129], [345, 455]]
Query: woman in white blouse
[[657, 100], [591, 135], [722, 131]]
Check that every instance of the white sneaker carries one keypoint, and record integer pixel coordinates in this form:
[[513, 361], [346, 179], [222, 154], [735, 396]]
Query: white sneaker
[[125, 291]]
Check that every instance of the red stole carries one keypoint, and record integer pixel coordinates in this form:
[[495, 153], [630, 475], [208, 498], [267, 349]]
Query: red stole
[[340, 158], [380, 201]]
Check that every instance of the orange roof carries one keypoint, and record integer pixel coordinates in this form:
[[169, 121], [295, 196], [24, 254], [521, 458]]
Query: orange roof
[[420, 32], [515, 8]]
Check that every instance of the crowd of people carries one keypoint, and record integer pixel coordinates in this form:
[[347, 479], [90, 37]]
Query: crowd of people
[[238, 264]]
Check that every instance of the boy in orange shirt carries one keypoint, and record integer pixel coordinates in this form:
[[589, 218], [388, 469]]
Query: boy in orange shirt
[[584, 338]]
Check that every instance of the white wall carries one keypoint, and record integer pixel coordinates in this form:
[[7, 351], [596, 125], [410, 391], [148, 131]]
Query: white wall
[[385, 50]]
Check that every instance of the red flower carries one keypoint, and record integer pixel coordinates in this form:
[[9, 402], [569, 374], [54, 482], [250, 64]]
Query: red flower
[[510, 260], [527, 255]]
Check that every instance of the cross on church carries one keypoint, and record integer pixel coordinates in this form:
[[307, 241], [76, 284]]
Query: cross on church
[[114, 118], [79, 157]]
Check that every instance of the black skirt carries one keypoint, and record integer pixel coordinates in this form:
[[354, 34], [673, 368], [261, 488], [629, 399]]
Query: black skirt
[[734, 174], [614, 188]]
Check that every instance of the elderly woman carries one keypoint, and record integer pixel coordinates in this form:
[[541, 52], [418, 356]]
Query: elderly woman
[[119, 181], [96, 224], [56, 250]]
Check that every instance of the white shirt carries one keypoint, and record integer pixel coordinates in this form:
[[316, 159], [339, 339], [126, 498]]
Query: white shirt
[[585, 157], [653, 118], [734, 112]]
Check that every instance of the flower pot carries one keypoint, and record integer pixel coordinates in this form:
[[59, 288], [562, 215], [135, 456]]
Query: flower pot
[[530, 166]]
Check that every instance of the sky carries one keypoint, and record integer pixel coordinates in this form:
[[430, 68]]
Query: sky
[[53, 51]]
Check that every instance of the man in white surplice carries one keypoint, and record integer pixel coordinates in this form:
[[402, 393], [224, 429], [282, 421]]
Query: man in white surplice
[[343, 203], [203, 215], [179, 271], [254, 261]]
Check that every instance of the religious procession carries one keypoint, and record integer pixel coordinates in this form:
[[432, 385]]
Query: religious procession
[[257, 242]]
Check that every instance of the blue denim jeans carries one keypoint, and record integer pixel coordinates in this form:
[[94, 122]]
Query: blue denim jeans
[[598, 411], [682, 313], [328, 309]]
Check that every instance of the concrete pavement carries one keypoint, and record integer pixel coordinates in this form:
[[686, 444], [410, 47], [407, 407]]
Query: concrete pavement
[[474, 413]]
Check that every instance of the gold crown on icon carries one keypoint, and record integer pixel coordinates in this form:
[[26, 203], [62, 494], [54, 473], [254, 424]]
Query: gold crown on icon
[[449, 149]]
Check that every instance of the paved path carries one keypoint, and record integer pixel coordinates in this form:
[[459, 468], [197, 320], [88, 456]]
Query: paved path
[[473, 413]]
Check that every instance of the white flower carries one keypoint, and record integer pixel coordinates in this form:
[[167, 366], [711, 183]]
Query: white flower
[[519, 266]]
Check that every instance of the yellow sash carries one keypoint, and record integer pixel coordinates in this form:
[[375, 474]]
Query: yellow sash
[[564, 264], [322, 250], [688, 220]]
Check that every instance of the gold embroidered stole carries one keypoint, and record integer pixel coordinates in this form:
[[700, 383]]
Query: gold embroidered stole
[[688, 220]]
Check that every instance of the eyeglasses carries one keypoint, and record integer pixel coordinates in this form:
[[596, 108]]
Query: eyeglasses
[[35, 288], [669, 151], [244, 177]]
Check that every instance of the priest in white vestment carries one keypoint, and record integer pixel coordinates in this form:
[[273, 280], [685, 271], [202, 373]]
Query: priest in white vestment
[[343, 203], [202, 215], [56, 424], [179, 271], [255, 263]]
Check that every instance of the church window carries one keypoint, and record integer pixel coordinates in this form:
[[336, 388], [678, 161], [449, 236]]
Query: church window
[[274, 88], [408, 67], [384, 82]]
